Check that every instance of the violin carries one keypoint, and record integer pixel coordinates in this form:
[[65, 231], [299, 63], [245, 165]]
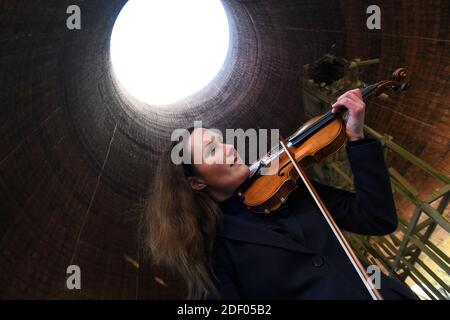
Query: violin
[[317, 139]]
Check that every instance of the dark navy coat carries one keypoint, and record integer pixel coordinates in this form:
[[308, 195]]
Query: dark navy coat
[[293, 254]]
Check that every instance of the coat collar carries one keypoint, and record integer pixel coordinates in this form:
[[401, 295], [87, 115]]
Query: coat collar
[[247, 229]]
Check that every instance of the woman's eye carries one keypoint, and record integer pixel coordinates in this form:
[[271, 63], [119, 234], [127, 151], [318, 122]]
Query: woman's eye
[[213, 148]]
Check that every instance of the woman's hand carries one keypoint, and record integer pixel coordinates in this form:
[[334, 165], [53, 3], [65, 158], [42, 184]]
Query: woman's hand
[[353, 101]]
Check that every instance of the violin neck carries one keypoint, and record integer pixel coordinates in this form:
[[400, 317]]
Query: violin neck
[[369, 90], [316, 126], [326, 119]]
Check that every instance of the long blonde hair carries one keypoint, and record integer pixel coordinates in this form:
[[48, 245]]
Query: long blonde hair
[[179, 227]]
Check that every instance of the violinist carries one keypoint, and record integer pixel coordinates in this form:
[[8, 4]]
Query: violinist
[[196, 225]]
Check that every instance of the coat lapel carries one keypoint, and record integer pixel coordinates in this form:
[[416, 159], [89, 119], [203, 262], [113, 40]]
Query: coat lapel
[[241, 230]]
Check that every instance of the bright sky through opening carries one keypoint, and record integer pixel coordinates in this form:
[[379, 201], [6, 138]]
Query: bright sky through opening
[[164, 50]]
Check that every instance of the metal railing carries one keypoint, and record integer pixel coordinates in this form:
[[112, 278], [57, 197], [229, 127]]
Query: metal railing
[[410, 253]]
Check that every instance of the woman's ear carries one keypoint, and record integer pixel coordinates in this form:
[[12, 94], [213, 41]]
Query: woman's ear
[[196, 183]]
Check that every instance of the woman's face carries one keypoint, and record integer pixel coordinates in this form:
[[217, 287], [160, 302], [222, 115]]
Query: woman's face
[[221, 170]]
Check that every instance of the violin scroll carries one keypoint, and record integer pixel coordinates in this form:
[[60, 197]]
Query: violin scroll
[[400, 74], [399, 82]]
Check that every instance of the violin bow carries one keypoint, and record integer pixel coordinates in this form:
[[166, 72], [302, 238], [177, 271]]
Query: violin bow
[[376, 295]]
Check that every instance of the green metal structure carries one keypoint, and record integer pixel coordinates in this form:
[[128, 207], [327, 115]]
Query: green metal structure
[[418, 252]]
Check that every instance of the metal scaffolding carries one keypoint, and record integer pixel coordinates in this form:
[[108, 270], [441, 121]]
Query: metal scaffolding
[[415, 253], [410, 253]]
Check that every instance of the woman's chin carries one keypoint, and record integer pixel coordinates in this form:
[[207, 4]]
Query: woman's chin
[[244, 169]]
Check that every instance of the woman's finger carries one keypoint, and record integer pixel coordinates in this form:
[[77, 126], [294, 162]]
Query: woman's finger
[[356, 92], [351, 95], [350, 100], [347, 102]]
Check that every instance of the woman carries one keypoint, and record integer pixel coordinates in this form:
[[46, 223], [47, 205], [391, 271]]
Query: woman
[[196, 225]]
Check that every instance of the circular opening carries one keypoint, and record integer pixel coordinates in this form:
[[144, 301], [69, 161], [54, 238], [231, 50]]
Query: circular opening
[[165, 50]]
